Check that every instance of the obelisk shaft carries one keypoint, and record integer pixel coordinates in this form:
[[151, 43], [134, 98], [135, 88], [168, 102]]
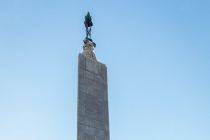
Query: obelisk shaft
[[93, 114]]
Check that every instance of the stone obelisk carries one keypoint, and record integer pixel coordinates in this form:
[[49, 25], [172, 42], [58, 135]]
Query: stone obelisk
[[93, 114]]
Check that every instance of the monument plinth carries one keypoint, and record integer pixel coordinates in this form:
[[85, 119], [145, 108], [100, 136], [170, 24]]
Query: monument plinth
[[93, 114]]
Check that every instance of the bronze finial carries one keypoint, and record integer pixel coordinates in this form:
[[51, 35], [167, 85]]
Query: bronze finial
[[88, 24]]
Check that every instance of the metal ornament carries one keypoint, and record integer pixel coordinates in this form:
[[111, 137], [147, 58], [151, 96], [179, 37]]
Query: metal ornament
[[88, 24]]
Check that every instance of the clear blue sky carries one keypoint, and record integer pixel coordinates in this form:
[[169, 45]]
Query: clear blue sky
[[158, 59]]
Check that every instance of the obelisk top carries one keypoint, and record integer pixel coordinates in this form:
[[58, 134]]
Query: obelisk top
[[88, 24], [88, 42]]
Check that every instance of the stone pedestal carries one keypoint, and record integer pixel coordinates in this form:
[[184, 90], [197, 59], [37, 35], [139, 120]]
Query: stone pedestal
[[93, 114]]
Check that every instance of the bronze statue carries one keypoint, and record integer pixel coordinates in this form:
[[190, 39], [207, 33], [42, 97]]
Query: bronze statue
[[88, 24]]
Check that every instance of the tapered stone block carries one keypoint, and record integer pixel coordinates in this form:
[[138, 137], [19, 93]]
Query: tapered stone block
[[93, 114]]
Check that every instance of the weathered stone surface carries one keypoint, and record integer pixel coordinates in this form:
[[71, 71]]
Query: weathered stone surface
[[85, 121], [90, 114], [106, 119], [80, 136], [100, 117], [93, 84], [81, 111], [82, 61], [90, 137], [98, 138], [81, 87], [93, 114], [105, 96], [93, 66], [98, 79], [89, 75], [105, 81], [90, 130], [89, 83], [106, 127], [98, 93], [81, 104], [100, 125], [80, 119], [89, 122], [104, 71], [81, 79], [106, 112], [94, 108], [94, 92], [106, 134], [81, 95], [89, 90], [81, 128], [94, 100], [104, 88], [81, 71], [105, 104], [100, 133]]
